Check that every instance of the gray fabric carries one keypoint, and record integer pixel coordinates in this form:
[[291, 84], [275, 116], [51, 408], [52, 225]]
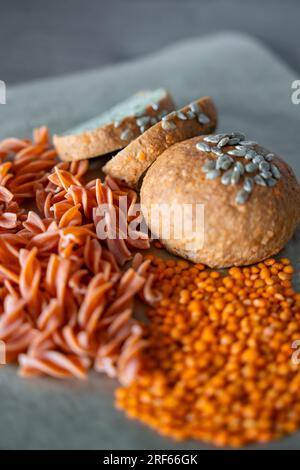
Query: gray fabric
[[252, 90]]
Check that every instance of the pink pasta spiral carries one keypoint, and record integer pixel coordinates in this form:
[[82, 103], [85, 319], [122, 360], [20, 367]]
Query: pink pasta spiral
[[66, 304]]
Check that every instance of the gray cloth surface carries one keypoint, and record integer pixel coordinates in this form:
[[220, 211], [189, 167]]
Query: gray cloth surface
[[252, 90]]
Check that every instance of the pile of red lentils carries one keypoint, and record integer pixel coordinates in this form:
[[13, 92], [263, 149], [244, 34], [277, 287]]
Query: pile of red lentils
[[219, 366]]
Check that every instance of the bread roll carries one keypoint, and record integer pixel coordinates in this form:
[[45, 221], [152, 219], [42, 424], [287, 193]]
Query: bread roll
[[250, 197]]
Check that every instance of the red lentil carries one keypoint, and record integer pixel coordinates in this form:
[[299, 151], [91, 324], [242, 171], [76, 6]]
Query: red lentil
[[219, 362]]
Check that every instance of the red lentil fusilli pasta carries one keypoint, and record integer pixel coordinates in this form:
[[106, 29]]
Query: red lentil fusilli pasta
[[66, 305]]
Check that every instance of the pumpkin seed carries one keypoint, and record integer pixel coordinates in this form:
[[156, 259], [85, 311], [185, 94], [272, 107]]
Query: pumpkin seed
[[258, 159], [203, 119], [248, 143], [212, 139], [248, 184], [235, 177], [260, 181], [209, 165], [223, 162], [233, 141], [264, 166], [181, 116], [238, 166], [224, 141], [242, 197], [251, 167], [168, 125], [127, 135], [190, 115], [271, 182], [250, 154], [266, 174], [216, 150], [237, 152], [213, 174], [203, 147], [226, 178], [194, 107], [275, 171], [143, 121]]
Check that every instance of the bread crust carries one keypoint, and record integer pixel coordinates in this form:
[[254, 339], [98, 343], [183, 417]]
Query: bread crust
[[104, 139], [234, 235], [131, 163]]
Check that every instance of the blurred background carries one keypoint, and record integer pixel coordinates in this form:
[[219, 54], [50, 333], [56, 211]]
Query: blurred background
[[42, 38]]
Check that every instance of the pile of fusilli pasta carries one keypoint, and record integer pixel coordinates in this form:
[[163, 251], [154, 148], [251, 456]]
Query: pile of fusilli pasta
[[65, 304]]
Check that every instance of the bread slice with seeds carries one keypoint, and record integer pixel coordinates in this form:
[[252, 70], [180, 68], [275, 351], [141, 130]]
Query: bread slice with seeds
[[116, 128], [200, 117]]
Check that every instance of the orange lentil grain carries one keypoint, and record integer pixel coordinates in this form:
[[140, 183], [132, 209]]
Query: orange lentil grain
[[218, 365]]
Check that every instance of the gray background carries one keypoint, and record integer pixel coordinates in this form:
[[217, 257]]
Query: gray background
[[40, 38]]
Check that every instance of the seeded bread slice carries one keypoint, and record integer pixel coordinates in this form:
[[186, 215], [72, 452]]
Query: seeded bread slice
[[117, 127], [200, 117]]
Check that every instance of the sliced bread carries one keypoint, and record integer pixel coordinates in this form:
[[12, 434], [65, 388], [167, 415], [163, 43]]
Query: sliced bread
[[116, 128], [200, 117]]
